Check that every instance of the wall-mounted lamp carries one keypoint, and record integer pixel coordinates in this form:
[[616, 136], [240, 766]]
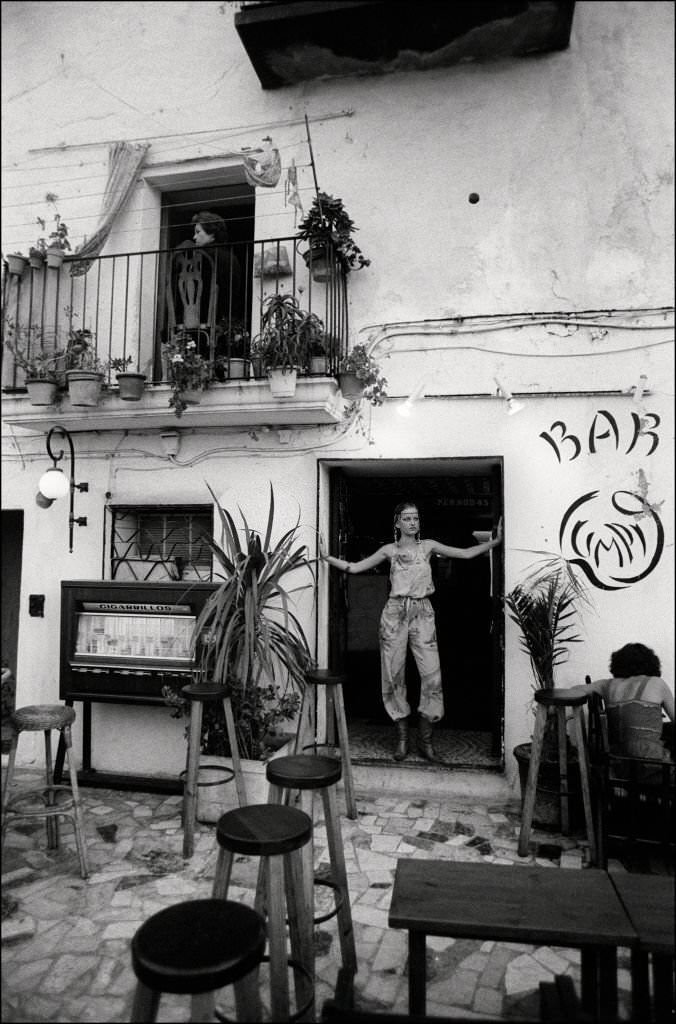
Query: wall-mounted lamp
[[406, 408], [55, 484], [640, 390], [512, 405]]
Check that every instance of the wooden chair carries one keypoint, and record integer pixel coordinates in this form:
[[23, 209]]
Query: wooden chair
[[633, 798], [190, 271]]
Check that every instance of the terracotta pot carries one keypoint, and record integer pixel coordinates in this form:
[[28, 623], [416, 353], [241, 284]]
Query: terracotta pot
[[282, 382], [16, 264], [319, 263], [131, 386], [84, 387], [36, 260], [42, 392], [55, 256], [350, 385]]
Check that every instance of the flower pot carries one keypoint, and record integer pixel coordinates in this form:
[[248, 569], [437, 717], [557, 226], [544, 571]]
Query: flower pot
[[318, 365], [350, 385], [16, 264], [193, 396], [257, 368], [36, 260], [84, 387], [131, 386], [217, 793], [42, 392], [547, 812], [282, 382], [55, 256], [318, 261], [237, 369]]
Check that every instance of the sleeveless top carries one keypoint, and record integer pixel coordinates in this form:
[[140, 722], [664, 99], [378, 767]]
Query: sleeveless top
[[410, 573], [634, 725]]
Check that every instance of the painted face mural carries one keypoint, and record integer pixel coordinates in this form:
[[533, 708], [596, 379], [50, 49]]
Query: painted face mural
[[615, 542]]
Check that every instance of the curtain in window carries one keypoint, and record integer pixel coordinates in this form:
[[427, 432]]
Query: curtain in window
[[124, 161]]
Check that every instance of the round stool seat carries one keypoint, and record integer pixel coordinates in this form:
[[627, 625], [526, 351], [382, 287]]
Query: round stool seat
[[558, 699], [40, 717], [325, 677], [265, 830], [304, 771], [198, 946], [203, 692]]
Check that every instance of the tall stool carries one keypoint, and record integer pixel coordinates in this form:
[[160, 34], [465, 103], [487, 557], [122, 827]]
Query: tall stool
[[332, 684], [195, 948], [44, 718], [558, 700], [275, 834], [307, 773], [197, 694]]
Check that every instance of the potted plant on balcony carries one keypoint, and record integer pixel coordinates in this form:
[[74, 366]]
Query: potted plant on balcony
[[16, 263], [278, 344], [360, 377], [130, 383], [313, 341], [248, 638], [84, 371], [545, 607], [58, 244], [189, 372], [232, 351], [328, 228], [44, 369]]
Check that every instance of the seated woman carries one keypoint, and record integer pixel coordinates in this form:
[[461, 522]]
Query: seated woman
[[211, 230], [634, 698]]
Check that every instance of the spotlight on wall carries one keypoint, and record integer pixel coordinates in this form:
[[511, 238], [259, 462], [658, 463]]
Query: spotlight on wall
[[406, 408], [640, 390], [55, 484], [512, 405]]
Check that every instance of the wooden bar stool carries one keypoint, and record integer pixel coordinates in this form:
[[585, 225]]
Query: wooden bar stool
[[307, 773], [44, 718], [277, 835], [197, 694], [558, 700], [195, 948], [332, 684]]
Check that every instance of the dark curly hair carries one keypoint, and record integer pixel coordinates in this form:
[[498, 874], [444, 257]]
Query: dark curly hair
[[212, 224], [634, 660]]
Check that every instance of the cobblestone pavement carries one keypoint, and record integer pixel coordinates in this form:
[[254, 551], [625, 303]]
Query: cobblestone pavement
[[66, 941]]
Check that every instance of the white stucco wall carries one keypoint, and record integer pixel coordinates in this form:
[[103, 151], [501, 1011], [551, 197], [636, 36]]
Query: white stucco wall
[[572, 156]]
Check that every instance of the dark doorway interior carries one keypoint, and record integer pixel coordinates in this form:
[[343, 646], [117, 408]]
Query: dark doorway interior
[[12, 546], [455, 497]]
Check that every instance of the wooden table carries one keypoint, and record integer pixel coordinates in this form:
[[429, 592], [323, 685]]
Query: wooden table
[[540, 906], [649, 903]]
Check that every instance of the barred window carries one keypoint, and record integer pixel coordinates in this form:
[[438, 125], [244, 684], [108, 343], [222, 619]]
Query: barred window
[[164, 542]]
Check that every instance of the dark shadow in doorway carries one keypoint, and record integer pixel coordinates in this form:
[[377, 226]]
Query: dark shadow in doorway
[[374, 743]]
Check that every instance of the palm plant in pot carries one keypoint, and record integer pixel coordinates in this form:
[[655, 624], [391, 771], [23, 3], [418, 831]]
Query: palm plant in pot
[[248, 638], [328, 228], [545, 607]]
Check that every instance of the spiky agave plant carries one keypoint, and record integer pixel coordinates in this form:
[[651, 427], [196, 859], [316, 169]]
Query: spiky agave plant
[[247, 633]]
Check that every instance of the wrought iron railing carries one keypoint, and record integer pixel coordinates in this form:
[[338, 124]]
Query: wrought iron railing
[[129, 303]]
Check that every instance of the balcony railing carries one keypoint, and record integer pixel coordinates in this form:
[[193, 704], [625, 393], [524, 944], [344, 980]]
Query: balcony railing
[[132, 301]]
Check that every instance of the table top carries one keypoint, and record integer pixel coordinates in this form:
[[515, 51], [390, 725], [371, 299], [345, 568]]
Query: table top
[[649, 903], [519, 903]]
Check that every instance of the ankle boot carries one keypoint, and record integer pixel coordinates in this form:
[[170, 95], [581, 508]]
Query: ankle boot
[[402, 739], [425, 739]]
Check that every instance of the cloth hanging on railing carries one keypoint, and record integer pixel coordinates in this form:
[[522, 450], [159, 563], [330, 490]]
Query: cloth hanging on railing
[[291, 197], [263, 166], [124, 162]]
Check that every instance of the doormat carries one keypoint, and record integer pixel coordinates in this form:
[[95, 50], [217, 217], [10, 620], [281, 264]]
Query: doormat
[[372, 743]]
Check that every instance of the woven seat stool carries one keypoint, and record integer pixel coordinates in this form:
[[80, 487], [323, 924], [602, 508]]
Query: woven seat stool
[[277, 835], [558, 701], [45, 718], [308, 773], [194, 948], [198, 694], [331, 683]]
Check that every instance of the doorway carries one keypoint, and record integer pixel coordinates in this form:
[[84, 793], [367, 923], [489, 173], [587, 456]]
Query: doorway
[[456, 498]]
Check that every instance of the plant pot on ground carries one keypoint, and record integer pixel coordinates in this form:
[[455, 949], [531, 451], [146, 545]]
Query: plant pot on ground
[[544, 607], [247, 636]]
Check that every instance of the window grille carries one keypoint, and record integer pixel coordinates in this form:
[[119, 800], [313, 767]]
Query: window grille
[[161, 542]]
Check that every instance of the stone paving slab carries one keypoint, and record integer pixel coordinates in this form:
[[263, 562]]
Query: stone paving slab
[[66, 941]]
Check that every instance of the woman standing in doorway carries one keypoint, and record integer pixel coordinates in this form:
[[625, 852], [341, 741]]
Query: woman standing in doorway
[[408, 620]]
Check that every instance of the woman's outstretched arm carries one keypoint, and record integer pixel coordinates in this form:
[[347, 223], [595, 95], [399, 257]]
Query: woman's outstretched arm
[[381, 555], [435, 547]]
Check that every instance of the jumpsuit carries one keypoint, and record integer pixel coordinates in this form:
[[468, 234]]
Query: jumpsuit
[[408, 619]]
